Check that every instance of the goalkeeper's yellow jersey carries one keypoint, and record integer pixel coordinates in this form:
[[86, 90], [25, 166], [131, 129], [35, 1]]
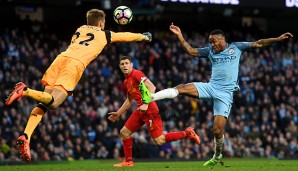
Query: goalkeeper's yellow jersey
[[89, 41]]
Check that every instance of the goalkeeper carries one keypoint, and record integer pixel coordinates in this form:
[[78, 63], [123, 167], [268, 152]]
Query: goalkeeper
[[66, 70]]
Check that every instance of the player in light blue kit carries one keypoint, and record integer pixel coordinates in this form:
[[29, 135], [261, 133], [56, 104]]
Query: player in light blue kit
[[225, 59]]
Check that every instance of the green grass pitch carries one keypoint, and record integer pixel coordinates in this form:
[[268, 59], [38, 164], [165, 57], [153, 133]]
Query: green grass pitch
[[106, 165]]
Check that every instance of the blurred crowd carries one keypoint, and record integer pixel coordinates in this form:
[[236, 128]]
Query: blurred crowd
[[263, 121]]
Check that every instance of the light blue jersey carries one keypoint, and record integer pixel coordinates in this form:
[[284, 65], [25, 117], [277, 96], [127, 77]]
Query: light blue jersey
[[225, 64], [224, 78]]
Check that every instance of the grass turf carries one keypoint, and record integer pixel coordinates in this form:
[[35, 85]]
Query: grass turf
[[106, 165]]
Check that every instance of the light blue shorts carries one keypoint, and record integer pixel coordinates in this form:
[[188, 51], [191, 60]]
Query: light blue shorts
[[222, 100]]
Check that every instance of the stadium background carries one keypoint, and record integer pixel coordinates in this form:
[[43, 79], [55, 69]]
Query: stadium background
[[264, 117]]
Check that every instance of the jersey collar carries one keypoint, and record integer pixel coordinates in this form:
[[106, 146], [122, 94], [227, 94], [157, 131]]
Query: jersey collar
[[130, 73], [221, 51]]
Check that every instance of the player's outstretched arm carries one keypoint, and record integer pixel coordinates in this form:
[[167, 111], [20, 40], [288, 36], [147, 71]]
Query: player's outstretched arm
[[189, 50], [130, 37], [266, 42], [113, 116]]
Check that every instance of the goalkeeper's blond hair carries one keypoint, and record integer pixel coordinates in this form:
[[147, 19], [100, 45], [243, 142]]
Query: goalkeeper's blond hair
[[94, 16]]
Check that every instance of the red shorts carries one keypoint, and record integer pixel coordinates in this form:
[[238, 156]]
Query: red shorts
[[152, 120]]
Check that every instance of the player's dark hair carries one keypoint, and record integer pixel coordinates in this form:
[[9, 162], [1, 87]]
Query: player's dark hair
[[126, 57], [217, 31], [94, 16]]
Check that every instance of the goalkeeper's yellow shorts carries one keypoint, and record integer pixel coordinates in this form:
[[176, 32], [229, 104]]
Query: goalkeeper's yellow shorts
[[65, 72]]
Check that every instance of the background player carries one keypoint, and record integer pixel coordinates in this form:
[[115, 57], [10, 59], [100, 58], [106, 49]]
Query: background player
[[145, 114], [66, 70], [225, 60]]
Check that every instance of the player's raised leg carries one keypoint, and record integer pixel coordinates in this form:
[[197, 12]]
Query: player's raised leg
[[174, 136], [154, 126], [191, 134], [22, 90], [169, 93], [146, 95], [163, 94], [17, 93]]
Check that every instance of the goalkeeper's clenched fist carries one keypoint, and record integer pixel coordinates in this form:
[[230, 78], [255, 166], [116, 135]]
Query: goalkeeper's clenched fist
[[147, 37]]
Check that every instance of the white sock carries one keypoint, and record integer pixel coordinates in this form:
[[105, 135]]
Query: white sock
[[218, 144], [168, 93]]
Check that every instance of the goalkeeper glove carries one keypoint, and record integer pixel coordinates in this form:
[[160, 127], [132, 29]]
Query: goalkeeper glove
[[147, 36]]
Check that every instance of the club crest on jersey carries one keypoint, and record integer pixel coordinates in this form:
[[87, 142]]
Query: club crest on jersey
[[231, 51]]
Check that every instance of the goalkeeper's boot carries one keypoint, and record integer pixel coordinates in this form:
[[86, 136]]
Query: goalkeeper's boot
[[146, 95], [24, 148], [212, 162], [16, 94], [124, 164], [191, 134]]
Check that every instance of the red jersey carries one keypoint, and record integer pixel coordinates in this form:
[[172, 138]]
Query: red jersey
[[131, 83]]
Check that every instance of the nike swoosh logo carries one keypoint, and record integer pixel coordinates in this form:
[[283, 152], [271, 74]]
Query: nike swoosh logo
[[18, 91]]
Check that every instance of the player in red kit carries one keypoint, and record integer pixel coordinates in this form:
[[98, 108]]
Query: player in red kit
[[145, 114]]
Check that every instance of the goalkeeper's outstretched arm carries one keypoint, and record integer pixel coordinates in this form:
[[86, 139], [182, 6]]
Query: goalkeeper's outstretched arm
[[129, 37]]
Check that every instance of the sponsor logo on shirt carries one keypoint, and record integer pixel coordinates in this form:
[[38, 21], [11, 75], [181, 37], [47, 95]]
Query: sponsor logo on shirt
[[225, 59]]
